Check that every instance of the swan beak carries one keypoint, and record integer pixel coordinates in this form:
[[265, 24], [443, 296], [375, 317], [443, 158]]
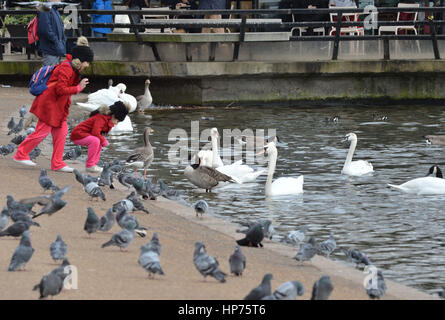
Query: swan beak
[[344, 140], [151, 130]]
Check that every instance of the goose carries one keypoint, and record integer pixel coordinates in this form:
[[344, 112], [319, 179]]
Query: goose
[[144, 101], [425, 185], [283, 185], [143, 156], [205, 177], [432, 139], [358, 167]]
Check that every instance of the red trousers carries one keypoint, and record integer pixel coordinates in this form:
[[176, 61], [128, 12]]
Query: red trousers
[[34, 139]]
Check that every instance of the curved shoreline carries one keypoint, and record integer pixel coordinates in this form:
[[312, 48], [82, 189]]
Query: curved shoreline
[[111, 274]]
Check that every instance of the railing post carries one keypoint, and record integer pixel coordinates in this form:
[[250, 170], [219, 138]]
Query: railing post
[[242, 33], [434, 39], [337, 36], [386, 49]]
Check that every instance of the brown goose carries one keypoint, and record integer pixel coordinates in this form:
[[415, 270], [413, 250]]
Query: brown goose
[[440, 140], [205, 177], [143, 156]]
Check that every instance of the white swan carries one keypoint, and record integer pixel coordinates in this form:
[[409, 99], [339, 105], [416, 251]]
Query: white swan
[[424, 185], [283, 185], [103, 96], [123, 126], [358, 167]]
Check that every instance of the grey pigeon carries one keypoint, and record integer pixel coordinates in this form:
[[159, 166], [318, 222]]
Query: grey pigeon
[[58, 249], [22, 216], [107, 221], [379, 290], [124, 204], [73, 153], [17, 206], [442, 293], [307, 250], [126, 179], [149, 258], [207, 265], [45, 182], [106, 176], [22, 253], [7, 149], [322, 289], [11, 123], [62, 271], [123, 218], [116, 166], [143, 188], [51, 204], [17, 140], [237, 262], [34, 153], [167, 192], [154, 244], [22, 111], [16, 229], [137, 203], [30, 130], [297, 236], [17, 128], [357, 257], [84, 179], [253, 237], [262, 290], [50, 285], [92, 223], [4, 218], [289, 290], [94, 191], [122, 238], [201, 207], [328, 246], [268, 229]]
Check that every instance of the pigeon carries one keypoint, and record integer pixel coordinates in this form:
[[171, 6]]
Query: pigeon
[[357, 257], [17, 140], [307, 250], [207, 265], [149, 257], [22, 253], [322, 288], [62, 271], [13, 205], [107, 221], [124, 204], [50, 285], [123, 218], [167, 192], [45, 182], [92, 222], [51, 203], [297, 236], [22, 216], [237, 262], [137, 204], [84, 179], [289, 290], [142, 187], [268, 229], [30, 130], [328, 246], [17, 128], [4, 218], [125, 179], [73, 153], [253, 237], [116, 166], [58, 249], [379, 289], [262, 290], [7, 149], [94, 191], [16, 229], [201, 207], [34, 153], [22, 111], [106, 177], [11, 123], [122, 238], [442, 293]]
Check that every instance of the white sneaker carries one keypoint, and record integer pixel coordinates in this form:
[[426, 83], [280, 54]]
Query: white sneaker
[[25, 162], [94, 169], [65, 169]]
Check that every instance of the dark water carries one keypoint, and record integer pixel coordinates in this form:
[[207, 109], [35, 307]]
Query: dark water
[[404, 235]]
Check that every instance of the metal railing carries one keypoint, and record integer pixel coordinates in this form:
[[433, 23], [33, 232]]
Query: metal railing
[[242, 26]]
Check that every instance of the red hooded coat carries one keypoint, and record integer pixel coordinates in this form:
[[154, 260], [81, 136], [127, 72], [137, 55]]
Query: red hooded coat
[[52, 106]]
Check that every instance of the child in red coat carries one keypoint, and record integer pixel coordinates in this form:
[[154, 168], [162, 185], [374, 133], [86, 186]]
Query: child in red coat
[[90, 132]]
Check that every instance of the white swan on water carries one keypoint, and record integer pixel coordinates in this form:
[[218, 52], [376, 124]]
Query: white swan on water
[[282, 185], [357, 167], [424, 185]]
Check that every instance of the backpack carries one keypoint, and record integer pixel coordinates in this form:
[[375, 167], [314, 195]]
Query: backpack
[[33, 35], [38, 81]]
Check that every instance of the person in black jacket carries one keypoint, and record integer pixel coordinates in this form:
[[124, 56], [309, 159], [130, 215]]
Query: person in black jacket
[[303, 4], [137, 5]]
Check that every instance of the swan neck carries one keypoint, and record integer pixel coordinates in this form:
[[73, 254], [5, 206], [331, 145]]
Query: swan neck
[[271, 170], [215, 151], [350, 153]]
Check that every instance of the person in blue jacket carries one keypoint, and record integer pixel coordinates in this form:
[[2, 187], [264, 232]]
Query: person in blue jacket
[[101, 18], [52, 39]]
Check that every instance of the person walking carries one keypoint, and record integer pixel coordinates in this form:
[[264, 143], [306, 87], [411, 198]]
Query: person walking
[[90, 132], [102, 18], [52, 39], [52, 106]]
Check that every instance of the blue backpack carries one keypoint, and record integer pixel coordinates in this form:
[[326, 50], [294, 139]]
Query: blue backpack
[[39, 79]]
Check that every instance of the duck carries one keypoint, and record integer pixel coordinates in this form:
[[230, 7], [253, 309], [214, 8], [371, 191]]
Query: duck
[[432, 139], [357, 167], [432, 184], [283, 185], [205, 177], [144, 101], [142, 157]]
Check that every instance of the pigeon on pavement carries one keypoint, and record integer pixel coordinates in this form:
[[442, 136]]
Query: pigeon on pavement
[[297, 236], [92, 223], [17, 128], [149, 257], [122, 238], [51, 204], [94, 191], [58, 249], [322, 289], [289, 290], [253, 237], [207, 265], [201, 207], [106, 176], [34, 153], [73, 153], [377, 286], [4, 218], [123, 218], [307, 250], [107, 221], [7, 149], [22, 111], [328, 246], [357, 257], [16, 229], [45, 182], [137, 203], [22, 253], [237, 262], [262, 290]]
